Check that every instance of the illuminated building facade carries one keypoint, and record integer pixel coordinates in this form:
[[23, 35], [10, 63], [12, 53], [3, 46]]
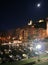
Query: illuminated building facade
[[27, 33]]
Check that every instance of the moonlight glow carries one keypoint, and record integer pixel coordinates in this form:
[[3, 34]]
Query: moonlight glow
[[38, 5]]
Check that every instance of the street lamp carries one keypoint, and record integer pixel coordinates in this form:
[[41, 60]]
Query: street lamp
[[38, 48]]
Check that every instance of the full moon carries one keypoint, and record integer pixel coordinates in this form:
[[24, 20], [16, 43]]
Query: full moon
[[38, 5]]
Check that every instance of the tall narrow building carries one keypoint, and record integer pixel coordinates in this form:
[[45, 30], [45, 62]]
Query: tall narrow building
[[47, 27]]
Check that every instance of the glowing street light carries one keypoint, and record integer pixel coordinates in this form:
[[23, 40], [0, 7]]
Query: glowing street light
[[38, 47], [41, 21], [30, 23]]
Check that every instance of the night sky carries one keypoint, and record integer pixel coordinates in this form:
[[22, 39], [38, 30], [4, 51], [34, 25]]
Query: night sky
[[17, 13]]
